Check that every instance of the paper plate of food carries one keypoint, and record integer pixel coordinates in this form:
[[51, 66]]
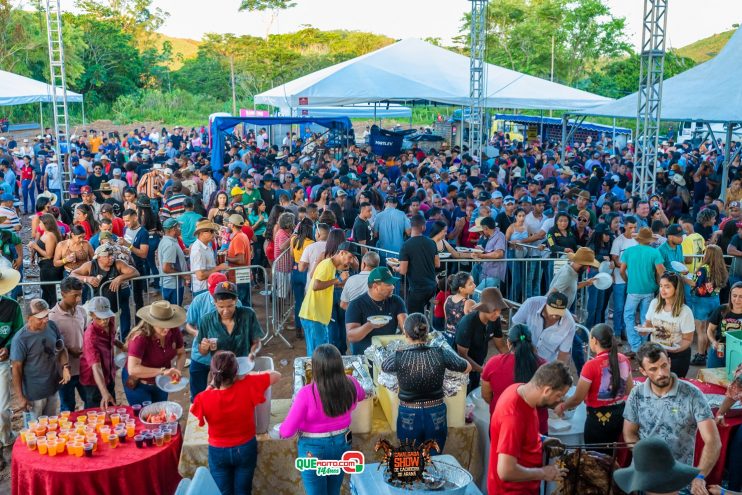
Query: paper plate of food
[[679, 267], [245, 364], [444, 254], [644, 331], [392, 261], [166, 384], [379, 319], [120, 360]]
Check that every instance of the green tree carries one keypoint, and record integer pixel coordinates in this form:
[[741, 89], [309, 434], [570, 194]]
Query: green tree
[[271, 6], [620, 77], [113, 64], [135, 17]]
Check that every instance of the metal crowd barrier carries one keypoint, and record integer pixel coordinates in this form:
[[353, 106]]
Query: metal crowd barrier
[[150, 297], [26, 300], [282, 302]]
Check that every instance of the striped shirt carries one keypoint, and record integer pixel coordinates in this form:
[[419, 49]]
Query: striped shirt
[[151, 184], [174, 206], [12, 222]]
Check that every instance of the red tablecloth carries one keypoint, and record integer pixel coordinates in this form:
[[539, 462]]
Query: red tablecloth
[[725, 432], [125, 469]]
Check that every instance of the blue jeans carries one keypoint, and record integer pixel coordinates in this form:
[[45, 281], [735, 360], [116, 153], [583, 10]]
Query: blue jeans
[[619, 302], [298, 285], [142, 392], [93, 396], [420, 425], [517, 272], [634, 302], [122, 299], [734, 461], [67, 394], [243, 294], [173, 296], [596, 302], [233, 467], [533, 278], [336, 328], [29, 193], [199, 378], [315, 334], [154, 242], [578, 349], [330, 448]]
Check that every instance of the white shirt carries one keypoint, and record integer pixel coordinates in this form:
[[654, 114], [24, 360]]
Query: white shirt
[[533, 226], [669, 329], [355, 286], [202, 258], [312, 255], [54, 177], [117, 189], [549, 341], [620, 244]]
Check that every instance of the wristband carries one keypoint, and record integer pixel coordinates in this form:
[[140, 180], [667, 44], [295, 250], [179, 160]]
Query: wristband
[[699, 476]]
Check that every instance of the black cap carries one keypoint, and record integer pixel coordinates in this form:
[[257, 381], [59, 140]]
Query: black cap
[[674, 229]]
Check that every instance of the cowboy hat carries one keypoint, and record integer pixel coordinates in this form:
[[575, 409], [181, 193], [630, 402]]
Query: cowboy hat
[[654, 469], [9, 279], [205, 225], [644, 236], [584, 256], [477, 225], [162, 314], [490, 300], [678, 179], [48, 194]]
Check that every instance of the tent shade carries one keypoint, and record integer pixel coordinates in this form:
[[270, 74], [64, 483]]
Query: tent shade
[[531, 119], [709, 92], [222, 125], [413, 70], [19, 90], [357, 111]]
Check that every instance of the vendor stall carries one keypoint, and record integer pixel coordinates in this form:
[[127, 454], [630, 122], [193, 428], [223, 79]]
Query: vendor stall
[[276, 473]]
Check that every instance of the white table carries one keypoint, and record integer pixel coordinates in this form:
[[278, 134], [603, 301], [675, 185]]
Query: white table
[[482, 422], [575, 435]]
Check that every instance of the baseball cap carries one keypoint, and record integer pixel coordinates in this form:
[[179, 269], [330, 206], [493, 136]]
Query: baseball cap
[[225, 288], [483, 196], [734, 204], [382, 274], [7, 197], [508, 200], [674, 229], [556, 304], [526, 199], [341, 192], [100, 307], [86, 190], [169, 223], [39, 308], [116, 172], [496, 194], [214, 280], [236, 191], [236, 219]]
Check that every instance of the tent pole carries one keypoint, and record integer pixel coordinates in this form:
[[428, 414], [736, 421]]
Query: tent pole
[[461, 134], [727, 163], [613, 139], [562, 157], [41, 115], [82, 103], [541, 127]]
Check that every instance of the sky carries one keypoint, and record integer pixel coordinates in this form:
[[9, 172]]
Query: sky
[[417, 18]]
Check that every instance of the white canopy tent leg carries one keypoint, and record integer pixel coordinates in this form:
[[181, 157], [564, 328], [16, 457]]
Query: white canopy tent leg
[[41, 116]]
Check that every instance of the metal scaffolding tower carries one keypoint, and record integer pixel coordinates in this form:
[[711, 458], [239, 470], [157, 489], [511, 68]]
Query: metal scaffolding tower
[[649, 104], [58, 82], [477, 75]]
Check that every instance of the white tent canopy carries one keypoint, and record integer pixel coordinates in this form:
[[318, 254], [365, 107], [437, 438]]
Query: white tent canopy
[[412, 70], [710, 92], [18, 90], [357, 111]]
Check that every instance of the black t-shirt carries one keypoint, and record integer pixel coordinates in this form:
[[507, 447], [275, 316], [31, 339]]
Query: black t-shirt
[[475, 335], [420, 370], [420, 253], [503, 221], [706, 232], [362, 232], [730, 322], [362, 307]]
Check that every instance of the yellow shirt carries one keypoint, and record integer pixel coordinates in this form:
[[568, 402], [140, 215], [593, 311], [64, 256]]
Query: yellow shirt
[[298, 251], [95, 143], [317, 305], [694, 244]]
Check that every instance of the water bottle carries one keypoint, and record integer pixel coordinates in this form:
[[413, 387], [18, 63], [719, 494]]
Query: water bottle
[[27, 417]]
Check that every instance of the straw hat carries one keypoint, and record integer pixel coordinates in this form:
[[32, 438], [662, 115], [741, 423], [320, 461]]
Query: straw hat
[[644, 236], [48, 194], [205, 225], [477, 227], [678, 179], [584, 256], [9, 279], [162, 314]]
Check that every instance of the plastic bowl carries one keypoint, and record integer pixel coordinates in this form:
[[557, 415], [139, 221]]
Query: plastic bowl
[[167, 406], [603, 281]]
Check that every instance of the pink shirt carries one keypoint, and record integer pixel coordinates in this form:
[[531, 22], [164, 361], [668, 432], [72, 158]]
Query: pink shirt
[[306, 413]]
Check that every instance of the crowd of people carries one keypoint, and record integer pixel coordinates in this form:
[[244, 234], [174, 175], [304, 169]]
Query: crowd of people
[[434, 239]]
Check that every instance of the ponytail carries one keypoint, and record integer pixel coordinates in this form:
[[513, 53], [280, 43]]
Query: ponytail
[[526, 362], [604, 335]]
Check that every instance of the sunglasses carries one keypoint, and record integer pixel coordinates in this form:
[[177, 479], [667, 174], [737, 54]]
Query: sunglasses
[[583, 220]]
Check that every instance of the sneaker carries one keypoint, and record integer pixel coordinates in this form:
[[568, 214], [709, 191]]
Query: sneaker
[[698, 359]]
